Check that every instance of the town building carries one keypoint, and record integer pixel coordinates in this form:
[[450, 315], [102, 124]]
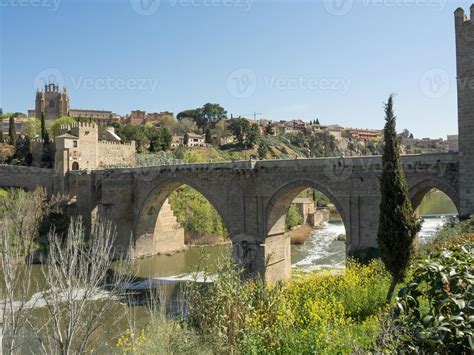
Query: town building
[[364, 135], [196, 140]]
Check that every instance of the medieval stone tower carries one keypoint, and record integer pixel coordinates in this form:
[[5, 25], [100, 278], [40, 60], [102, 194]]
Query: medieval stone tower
[[465, 84], [51, 102]]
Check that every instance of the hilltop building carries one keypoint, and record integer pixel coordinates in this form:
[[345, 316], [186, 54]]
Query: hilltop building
[[54, 103], [139, 117]]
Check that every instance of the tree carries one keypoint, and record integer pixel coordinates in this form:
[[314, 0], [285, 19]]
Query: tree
[[208, 137], [160, 139], [262, 150], [186, 139], [21, 214], [253, 136], [269, 130], [210, 114], [239, 127], [56, 127], [193, 114], [12, 130], [32, 127], [43, 127], [397, 224], [76, 273]]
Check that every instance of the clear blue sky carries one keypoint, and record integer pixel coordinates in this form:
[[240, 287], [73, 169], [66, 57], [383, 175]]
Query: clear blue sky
[[284, 59]]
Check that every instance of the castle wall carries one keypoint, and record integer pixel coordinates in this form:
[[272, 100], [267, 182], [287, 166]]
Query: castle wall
[[29, 178], [113, 153], [465, 81]]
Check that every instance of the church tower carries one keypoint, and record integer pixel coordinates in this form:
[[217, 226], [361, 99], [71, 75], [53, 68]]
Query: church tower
[[52, 102], [465, 85]]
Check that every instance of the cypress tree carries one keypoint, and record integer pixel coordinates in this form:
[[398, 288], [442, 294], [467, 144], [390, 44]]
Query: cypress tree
[[43, 127], [397, 224], [12, 130]]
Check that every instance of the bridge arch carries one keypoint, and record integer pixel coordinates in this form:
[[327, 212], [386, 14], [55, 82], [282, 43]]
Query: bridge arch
[[279, 203], [418, 191], [147, 221]]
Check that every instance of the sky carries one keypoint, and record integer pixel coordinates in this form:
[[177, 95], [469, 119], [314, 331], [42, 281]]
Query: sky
[[337, 61]]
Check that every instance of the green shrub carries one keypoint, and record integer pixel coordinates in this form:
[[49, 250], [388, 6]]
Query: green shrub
[[453, 229], [293, 217], [312, 313], [436, 309], [195, 213]]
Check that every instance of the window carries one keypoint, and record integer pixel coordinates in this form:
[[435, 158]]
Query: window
[[74, 144], [75, 166], [51, 104]]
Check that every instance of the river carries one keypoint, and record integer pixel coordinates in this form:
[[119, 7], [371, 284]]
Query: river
[[321, 249]]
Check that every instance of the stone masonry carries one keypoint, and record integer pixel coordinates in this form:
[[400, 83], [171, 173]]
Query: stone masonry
[[465, 81]]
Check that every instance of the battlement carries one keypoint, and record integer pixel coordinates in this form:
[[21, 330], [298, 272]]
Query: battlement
[[104, 142], [461, 17], [68, 127]]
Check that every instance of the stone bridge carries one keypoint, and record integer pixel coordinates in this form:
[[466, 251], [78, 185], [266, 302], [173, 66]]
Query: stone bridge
[[253, 197]]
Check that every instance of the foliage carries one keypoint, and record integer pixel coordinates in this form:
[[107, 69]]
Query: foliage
[[262, 150], [56, 126], [397, 225], [247, 134], [312, 313], [205, 117], [320, 144], [195, 213], [293, 217], [160, 139], [436, 308], [7, 152], [23, 150], [162, 336], [12, 131], [32, 127], [453, 229]]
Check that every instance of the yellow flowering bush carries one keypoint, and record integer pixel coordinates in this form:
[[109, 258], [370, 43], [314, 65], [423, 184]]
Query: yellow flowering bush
[[130, 342]]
